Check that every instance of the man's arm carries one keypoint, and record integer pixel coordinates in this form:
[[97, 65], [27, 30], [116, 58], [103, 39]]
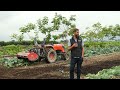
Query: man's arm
[[82, 52], [82, 49], [70, 47]]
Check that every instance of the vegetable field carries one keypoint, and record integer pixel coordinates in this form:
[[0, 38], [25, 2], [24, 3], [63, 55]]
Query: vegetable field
[[60, 70], [106, 73], [101, 50], [101, 61]]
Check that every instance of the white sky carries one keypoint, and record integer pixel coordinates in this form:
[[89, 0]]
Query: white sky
[[11, 21]]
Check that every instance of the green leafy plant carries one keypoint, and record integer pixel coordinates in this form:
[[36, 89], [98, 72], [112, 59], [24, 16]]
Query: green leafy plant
[[105, 73], [97, 48], [14, 62]]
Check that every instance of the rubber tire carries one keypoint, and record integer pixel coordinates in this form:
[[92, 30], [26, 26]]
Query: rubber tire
[[48, 58], [65, 57], [19, 58]]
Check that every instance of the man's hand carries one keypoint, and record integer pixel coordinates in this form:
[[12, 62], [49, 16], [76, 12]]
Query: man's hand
[[82, 56], [74, 45], [84, 60]]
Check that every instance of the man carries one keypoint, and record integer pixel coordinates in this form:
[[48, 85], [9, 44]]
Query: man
[[77, 53]]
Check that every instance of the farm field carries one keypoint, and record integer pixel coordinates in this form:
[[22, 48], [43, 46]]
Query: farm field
[[39, 49], [60, 69]]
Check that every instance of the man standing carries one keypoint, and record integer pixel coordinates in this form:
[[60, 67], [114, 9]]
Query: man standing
[[77, 53]]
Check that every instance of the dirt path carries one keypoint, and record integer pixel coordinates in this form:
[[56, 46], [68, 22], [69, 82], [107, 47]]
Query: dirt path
[[60, 69]]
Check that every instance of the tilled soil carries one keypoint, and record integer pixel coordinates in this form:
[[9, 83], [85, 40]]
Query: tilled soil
[[60, 69]]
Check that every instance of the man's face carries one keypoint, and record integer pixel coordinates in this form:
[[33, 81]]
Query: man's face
[[76, 33]]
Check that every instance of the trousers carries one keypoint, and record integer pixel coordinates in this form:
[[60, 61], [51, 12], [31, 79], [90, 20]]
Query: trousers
[[73, 62]]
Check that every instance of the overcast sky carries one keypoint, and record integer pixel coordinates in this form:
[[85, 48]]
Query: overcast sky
[[11, 21]]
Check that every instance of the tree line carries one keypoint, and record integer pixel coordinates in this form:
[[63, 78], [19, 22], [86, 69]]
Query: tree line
[[100, 33], [96, 32]]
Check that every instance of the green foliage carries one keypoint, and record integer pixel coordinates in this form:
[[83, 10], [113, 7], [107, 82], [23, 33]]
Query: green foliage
[[2, 43], [105, 73], [57, 22], [17, 37], [14, 62], [97, 51], [91, 49], [97, 48], [46, 27], [23, 30], [98, 32], [102, 44], [27, 29], [11, 49], [55, 37]]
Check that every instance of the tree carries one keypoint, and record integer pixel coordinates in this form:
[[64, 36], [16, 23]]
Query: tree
[[17, 37], [27, 29], [55, 37], [115, 31], [47, 27], [58, 23], [68, 26], [98, 32]]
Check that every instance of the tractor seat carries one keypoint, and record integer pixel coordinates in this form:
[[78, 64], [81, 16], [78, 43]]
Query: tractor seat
[[39, 46], [48, 45]]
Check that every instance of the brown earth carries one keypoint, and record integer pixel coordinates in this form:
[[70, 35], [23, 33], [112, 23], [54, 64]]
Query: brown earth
[[60, 69]]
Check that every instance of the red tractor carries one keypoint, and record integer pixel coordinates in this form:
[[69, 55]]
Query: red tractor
[[50, 53]]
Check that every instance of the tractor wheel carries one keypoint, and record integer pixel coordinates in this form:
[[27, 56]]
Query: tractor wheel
[[65, 56], [51, 56], [19, 58], [33, 57]]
